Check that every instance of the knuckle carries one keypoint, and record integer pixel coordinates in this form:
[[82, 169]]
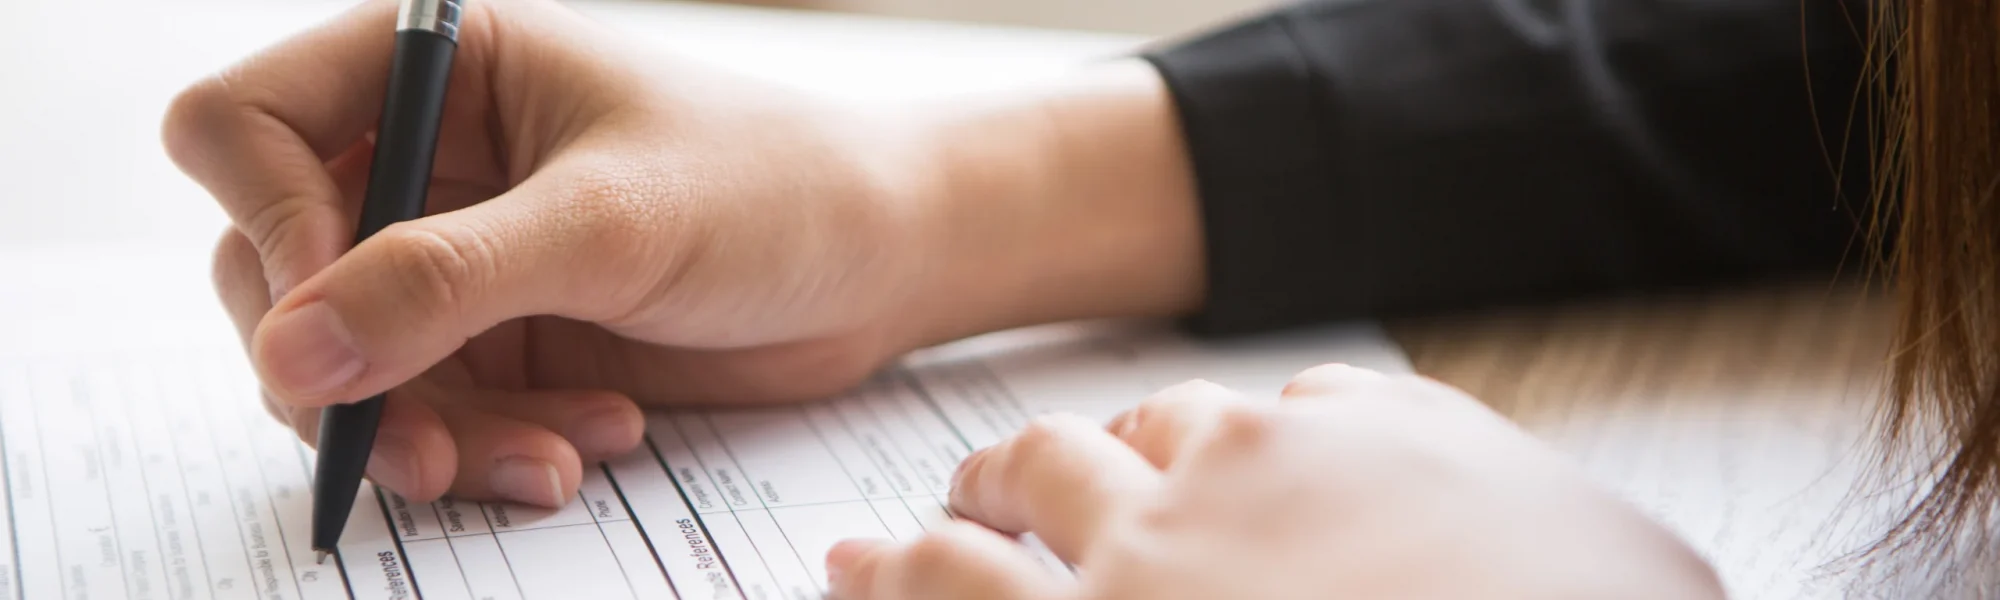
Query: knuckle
[[1243, 427], [1164, 407], [1029, 451], [189, 114], [234, 260], [208, 104], [1151, 408], [1125, 423], [1132, 424], [1336, 380], [934, 553], [1145, 418], [237, 278], [268, 226], [1341, 371], [1038, 436], [1180, 397], [436, 266], [197, 99], [1044, 433], [1197, 389]]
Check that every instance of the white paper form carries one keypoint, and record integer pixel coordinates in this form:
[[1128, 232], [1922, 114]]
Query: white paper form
[[162, 477]]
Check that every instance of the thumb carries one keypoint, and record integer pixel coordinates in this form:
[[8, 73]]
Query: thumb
[[411, 295]]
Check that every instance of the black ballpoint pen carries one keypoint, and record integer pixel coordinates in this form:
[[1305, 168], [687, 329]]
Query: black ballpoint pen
[[405, 145]]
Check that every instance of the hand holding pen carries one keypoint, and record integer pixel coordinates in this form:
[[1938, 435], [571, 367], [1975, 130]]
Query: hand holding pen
[[608, 225]]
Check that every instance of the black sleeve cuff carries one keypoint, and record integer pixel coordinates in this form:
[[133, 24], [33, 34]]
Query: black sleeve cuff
[[1374, 158], [1253, 121]]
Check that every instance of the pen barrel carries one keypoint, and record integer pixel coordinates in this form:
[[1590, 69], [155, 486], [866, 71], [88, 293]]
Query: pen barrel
[[406, 138], [398, 184], [348, 432]]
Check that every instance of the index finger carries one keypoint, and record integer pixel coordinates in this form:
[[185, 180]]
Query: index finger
[[257, 136], [1063, 478]]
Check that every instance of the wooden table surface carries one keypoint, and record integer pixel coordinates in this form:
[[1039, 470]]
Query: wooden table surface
[[1736, 417]]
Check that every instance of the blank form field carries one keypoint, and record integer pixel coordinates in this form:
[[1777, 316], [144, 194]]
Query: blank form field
[[489, 575], [437, 566], [566, 561]]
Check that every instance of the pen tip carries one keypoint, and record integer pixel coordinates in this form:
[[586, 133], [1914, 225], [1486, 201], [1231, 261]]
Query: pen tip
[[322, 556]]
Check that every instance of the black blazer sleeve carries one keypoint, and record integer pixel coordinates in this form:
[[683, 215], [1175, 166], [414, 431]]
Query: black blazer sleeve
[[1366, 158]]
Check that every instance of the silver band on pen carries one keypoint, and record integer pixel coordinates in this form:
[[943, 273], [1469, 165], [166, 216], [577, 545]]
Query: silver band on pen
[[436, 16]]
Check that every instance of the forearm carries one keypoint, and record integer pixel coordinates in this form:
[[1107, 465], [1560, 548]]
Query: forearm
[[1068, 200], [1356, 159]]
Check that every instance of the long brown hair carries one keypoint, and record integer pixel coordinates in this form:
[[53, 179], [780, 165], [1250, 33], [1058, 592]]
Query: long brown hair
[[1938, 70]]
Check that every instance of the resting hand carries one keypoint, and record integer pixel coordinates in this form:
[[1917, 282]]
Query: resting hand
[[1355, 485]]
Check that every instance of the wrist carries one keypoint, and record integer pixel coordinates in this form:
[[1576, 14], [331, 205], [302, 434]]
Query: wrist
[[1067, 201]]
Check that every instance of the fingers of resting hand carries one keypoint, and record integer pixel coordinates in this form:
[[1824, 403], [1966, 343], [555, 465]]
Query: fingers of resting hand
[[411, 295], [958, 560], [1338, 382], [1063, 478], [1330, 380], [1174, 420], [257, 136]]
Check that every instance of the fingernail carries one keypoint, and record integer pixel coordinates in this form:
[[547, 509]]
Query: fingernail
[[1327, 379], [965, 466], [604, 434], [845, 556], [1125, 424], [955, 497], [527, 481], [393, 464], [309, 351]]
